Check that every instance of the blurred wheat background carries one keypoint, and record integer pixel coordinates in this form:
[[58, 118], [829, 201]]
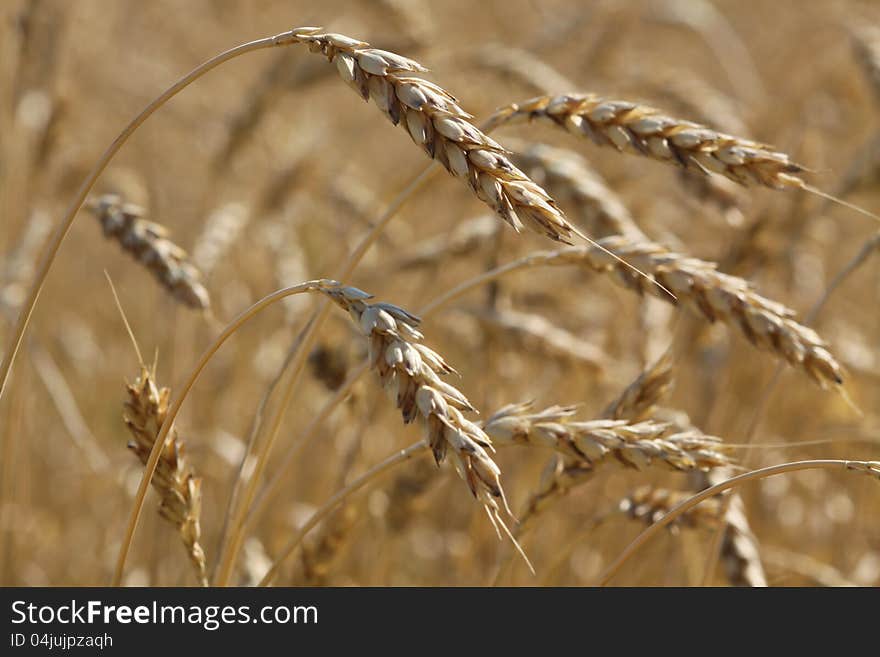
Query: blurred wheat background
[[268, 172]]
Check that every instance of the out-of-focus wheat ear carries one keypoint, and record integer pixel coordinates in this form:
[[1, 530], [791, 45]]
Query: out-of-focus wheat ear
[[641, 130], [319, 555], [649, 503], [442, 129], [410, 20], [866, 46], [18, 264], [465, 239], [519, 66], [148, 243], [740, 551], [539, 336], [221, 230], [697, 284], [638, 399], [577, 187], [179, 489]]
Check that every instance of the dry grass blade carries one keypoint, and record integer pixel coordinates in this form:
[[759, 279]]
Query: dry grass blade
[[174, 481], [147, 242], [717, 297], [642, 130], [442, 129]]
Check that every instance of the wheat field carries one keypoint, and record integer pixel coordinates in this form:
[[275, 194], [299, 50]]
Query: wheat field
[[595, 258]]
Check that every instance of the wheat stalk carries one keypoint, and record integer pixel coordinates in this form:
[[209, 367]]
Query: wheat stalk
[[441, 128], [174, 481], [147, 242], [642, 130]]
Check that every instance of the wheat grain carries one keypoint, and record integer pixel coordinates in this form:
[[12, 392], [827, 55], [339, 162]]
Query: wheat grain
[[442, 129], [147, 242], [178, 488], [642, 130]]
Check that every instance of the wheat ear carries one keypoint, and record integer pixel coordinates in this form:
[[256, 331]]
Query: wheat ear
[[179, 489], [637, 445], [410, 372], [643, 130], [649, 503], [147, 242], [441, 128], [768, 325]]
